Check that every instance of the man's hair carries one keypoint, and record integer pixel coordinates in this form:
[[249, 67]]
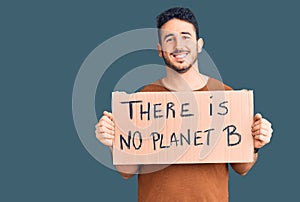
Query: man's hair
[[180, 13]]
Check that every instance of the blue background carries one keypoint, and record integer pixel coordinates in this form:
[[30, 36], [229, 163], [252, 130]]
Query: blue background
[[43, 44]]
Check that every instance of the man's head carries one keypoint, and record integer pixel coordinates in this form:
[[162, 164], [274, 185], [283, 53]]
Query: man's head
[[179, 39], [180, 13]]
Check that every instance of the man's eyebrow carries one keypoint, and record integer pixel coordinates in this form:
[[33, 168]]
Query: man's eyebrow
[[173, 34], [186, 33], [168, 36]]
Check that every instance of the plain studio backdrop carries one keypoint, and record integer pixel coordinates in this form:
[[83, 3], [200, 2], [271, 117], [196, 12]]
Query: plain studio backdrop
[[254, 44]]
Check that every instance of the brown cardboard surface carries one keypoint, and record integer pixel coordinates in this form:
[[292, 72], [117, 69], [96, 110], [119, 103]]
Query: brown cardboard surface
[[182, 127]]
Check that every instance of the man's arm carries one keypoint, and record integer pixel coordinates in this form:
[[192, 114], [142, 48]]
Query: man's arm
[[262, 133], [243, 168], [105, 133]]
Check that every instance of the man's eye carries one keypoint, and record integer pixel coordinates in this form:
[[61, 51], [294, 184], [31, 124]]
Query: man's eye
[[186, 37], [169, 40]]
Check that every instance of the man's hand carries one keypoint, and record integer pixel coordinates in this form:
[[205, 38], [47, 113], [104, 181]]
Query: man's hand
[[105, 129], [261, 131]]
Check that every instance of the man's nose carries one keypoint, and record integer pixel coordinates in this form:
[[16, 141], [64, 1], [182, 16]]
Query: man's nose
[[179, 43]]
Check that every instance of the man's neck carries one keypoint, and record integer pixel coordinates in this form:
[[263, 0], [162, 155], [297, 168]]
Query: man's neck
[[188, 81]]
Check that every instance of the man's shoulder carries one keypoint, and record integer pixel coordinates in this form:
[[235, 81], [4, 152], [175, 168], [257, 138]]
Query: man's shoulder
[[215, 84]]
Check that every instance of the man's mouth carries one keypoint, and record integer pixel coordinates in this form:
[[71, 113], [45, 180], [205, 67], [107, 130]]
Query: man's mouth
[[180, 55]]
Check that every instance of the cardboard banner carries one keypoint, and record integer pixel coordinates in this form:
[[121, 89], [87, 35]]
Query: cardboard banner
[[182, 127]]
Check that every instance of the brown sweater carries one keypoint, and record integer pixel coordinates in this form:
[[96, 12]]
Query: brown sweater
[[186, 182]]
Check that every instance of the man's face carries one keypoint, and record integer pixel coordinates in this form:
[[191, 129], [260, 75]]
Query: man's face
[[179, 46]]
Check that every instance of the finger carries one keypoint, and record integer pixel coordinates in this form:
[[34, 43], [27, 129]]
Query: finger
[[106, 124], [110, 116], [103, 119], [261, 131], [257, 122], [262, 121], [257, 116], [258, 144], [106, 130], [107, 142], [263, 139], [266, 122], [107, 120], [98, 124], [258, 127], [101, 136]]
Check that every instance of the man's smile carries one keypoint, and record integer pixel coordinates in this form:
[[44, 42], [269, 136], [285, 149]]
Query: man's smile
[[180, 55]]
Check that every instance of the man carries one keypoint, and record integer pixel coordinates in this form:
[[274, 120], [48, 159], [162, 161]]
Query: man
[[179, 45]]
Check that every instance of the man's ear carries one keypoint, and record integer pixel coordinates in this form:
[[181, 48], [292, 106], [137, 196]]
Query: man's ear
[[200, 44], [159, 50]]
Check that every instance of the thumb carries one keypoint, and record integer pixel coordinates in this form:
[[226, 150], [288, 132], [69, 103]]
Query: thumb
[[257, 116], [110, 116]]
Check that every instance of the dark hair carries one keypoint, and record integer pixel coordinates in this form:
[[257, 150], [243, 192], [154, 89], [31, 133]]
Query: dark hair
[[180, 13]]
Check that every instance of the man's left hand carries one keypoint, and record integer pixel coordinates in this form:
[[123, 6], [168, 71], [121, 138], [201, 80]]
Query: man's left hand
[[261, 131]]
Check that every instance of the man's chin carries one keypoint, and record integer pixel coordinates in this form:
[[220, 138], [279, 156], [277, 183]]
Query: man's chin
[[181, 70]]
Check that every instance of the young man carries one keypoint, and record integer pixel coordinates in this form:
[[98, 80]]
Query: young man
[[179, 45]]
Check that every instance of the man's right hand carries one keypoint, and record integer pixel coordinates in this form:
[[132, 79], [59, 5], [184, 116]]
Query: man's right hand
[[105, 129]]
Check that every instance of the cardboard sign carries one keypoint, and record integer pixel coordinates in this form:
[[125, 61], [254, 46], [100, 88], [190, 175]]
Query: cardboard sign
[[182, 127]]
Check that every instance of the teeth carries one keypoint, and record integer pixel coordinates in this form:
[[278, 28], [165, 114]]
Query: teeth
[[180, 56]]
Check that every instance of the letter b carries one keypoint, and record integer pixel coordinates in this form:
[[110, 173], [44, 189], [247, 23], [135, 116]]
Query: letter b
[[230, 132]]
